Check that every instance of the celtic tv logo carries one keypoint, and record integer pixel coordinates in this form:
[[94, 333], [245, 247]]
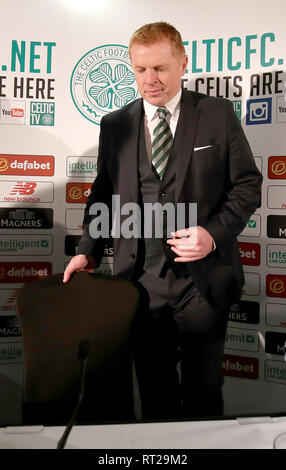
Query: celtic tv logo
[[102, 81]]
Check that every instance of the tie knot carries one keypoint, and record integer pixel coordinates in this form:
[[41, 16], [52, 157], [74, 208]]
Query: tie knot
[[162, 112]]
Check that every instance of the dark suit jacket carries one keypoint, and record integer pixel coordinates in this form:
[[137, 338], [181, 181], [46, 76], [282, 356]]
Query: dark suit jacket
[[222, 179]]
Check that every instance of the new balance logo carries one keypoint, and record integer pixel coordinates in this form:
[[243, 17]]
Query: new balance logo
[[23, 189]]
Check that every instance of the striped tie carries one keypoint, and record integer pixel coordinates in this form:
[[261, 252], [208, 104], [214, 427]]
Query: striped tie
[[162, 143]]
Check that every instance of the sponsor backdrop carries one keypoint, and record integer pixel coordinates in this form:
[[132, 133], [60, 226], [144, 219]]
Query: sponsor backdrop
[[63, 65]]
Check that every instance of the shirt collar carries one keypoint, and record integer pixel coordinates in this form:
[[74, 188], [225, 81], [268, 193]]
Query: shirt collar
[[172, 106]]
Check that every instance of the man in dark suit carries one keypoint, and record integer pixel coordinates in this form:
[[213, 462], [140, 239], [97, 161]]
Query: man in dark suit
[[175, 146]]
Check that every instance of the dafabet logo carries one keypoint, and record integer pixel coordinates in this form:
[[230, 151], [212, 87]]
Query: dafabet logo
[[77, 192], [240, 366], [276, 285], [277, 167], [24, 271], [31, 165], [250, 253]]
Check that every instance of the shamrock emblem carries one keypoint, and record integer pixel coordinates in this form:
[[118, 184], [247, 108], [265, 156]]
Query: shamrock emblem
[[112, 90]]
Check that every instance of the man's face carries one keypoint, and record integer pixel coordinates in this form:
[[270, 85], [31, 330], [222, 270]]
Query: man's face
[[157, 71]]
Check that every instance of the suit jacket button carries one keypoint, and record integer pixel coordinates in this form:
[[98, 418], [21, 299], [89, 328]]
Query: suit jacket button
[[132, 255]]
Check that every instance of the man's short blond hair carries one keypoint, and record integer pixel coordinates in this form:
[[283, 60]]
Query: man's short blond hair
[[153, 32]]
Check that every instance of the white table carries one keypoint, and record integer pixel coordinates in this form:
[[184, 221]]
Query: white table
[[246, 433]]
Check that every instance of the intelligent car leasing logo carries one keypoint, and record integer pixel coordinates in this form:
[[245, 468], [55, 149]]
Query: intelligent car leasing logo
[[103, 81], [259, 111], [275, 371]]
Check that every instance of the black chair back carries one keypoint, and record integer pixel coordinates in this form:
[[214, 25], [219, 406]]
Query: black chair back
[[54, 318]]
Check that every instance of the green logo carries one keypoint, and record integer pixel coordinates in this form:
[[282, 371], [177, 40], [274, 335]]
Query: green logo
[[103, 81], [42, 114], [251, 223], [250, 339], [237, 108]]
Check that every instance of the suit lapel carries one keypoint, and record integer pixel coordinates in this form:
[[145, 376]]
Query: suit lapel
[[185, 138], [129, 148]]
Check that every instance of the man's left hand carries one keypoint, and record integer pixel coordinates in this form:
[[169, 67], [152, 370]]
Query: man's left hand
[[191, 244]]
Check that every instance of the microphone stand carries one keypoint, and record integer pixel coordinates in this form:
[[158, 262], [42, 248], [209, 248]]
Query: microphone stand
[[63, 439]]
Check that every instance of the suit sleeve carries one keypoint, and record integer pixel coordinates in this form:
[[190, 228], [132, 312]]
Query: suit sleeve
[[101, 192], [243, 190]]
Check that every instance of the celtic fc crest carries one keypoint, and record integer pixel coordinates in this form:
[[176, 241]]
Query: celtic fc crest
[[103, 81]]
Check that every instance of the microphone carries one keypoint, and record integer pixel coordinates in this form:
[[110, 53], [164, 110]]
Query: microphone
[[83, 353]]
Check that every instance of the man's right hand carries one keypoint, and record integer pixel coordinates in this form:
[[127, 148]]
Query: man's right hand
[[79, 263]]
